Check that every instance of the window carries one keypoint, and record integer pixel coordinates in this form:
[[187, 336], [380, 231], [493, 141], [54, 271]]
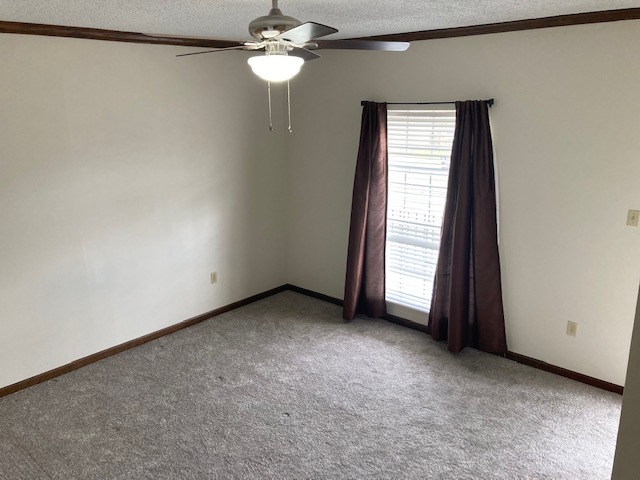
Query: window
[[419, 145]]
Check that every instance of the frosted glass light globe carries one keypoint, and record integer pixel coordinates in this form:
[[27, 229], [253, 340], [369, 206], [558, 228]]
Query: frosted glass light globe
[[275, 68]]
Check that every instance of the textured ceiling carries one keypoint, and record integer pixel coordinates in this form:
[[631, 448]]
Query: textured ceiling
[[228, 19]]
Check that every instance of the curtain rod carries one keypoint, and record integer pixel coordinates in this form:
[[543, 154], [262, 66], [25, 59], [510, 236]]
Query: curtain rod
[[489, 102]]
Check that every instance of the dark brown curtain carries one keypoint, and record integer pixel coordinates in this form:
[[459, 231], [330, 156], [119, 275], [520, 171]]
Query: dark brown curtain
[[466, 308], [364, 283]]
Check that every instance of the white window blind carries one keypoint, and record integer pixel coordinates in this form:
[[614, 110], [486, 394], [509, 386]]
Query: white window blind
[[419, 144]]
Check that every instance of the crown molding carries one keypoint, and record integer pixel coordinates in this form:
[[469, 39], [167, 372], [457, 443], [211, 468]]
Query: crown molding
[[513, 26], [110, 35]]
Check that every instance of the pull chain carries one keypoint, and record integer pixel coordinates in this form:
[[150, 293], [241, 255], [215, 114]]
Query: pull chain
[[289, 105], [269, 94]]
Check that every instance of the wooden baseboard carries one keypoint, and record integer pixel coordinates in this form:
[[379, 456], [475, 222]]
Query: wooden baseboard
[[406, 323], [43, 377], [390, 318], [311, 293], [56, 372], [531, 362], [547, 367]]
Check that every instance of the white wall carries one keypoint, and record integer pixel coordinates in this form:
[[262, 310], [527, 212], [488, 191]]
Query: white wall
[[126, 176], [627, 461], [565, 128]]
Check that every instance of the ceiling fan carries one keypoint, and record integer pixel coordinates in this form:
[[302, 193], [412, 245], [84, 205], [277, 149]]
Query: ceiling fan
[[288, 43]]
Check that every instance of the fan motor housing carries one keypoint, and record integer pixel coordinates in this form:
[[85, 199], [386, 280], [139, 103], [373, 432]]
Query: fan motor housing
[[272, 25]]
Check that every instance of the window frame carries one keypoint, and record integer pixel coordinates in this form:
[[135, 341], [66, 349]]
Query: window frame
[[395, 307]]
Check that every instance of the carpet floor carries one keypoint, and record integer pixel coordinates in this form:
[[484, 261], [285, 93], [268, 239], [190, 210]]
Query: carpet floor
[[283, 389]]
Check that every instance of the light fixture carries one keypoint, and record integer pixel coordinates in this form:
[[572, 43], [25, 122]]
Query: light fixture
[[275, 67]]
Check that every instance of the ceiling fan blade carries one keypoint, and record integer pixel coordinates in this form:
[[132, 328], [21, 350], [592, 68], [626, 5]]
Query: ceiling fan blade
[[363, 45], [305, 32], [239, 47], [304, 54]]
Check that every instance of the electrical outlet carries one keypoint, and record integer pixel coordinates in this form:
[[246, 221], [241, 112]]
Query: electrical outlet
[[572, 328], [632, 218], [214, 277]]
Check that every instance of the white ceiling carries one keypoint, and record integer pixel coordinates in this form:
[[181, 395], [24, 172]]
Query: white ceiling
[[228, 19]]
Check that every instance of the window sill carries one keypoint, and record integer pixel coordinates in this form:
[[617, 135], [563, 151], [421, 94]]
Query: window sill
[[407, 313]]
